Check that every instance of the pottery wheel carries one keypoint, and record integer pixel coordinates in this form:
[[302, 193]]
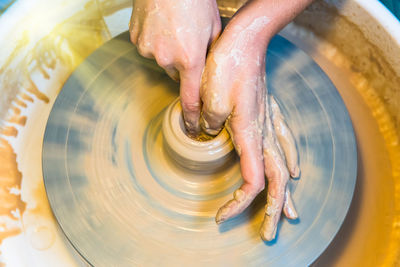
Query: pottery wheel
[[121, 202]]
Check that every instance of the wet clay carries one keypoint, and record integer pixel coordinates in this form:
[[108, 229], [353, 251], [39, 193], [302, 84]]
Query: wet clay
[[209, 153], [117, 169], [375, 119]]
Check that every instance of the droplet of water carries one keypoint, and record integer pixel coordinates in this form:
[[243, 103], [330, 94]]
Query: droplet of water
[[41, 237]]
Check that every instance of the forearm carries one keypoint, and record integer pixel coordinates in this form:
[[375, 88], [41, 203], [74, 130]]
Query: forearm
[[265, 18]]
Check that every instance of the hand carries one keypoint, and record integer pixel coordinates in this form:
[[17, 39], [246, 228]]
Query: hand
[[177, 34], [234, 92]]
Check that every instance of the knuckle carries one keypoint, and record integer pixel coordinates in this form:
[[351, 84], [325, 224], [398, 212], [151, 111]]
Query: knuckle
[[144, 47], [191, 107], [278, 178], [144, 51], [217, 112], [256, 186], [189, 59], [163, 60], [189, 63], [259, 186], [133, 37], [272, 173]]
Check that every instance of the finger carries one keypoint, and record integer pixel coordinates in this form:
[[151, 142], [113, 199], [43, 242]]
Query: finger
[[144, 46], [273, 211], [172, 72], [277, 175], [216, 101], [190, 98], [288, 207], [216, 31], [242, 198], [247, 142], [276, 193], [285, 139], [133, 30], [165, 60]]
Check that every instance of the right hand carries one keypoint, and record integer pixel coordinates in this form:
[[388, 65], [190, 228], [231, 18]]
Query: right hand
[[234, 94], [177, 34]]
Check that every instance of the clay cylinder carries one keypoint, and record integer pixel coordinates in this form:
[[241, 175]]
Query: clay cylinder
[[199, 156]]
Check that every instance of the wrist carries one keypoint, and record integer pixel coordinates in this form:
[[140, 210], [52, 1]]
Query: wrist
[[247, 33], [268, 17]]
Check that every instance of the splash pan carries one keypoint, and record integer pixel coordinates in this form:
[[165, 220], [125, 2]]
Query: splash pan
[[121, 202]]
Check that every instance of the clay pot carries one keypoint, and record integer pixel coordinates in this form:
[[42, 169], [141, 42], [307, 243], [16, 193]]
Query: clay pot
[[199, 156]]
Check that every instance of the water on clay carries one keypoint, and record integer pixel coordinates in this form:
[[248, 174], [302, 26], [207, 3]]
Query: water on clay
[[106, 169]]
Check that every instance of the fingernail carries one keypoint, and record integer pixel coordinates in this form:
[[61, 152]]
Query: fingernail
[[294, 214], [295, 172], [288, 207], [173, 74], [291, 213], [206, 127], [268, 230], [189, 127], [221, 215], [192, 129]]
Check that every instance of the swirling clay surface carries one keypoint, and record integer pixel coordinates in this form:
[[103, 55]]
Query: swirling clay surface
[[110, 181]]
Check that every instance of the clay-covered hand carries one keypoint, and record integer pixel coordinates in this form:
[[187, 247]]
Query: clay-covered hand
[[234, 93], [177, 34]]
